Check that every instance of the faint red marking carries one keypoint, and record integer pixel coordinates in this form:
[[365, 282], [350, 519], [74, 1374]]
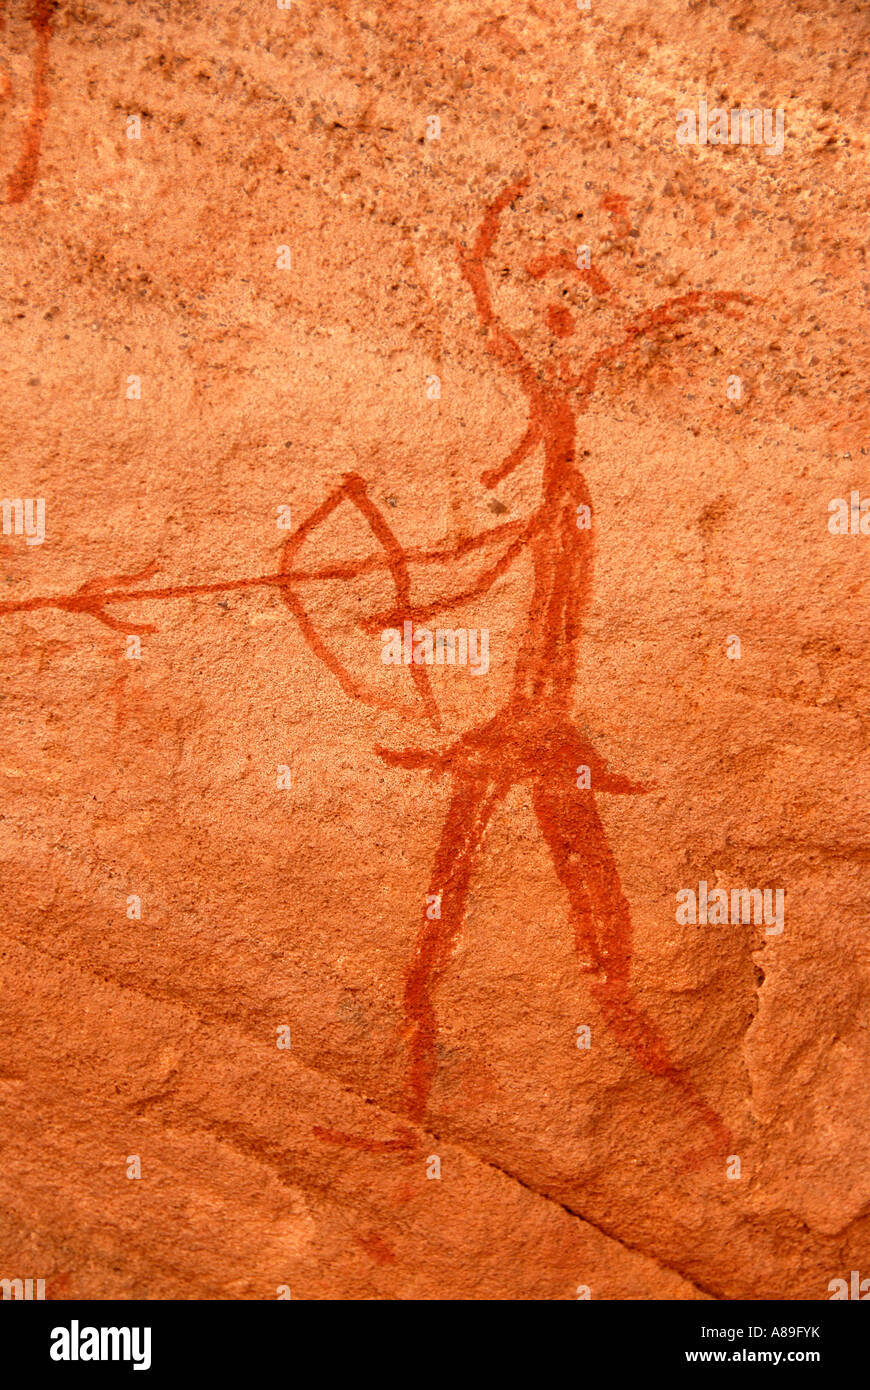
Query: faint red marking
[[26, 647], [376, 1247], [617, 207], [406, 1142], [131, 702], [117, 690], [533, 738], [20, 182]]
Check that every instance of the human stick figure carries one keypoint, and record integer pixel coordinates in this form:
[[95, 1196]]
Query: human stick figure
[[533, 738]]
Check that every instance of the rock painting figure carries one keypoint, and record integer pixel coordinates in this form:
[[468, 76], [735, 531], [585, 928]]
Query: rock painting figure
[[534, 739]]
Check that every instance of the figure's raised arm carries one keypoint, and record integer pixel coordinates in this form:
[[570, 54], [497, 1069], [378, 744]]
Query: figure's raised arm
[[472, 265]]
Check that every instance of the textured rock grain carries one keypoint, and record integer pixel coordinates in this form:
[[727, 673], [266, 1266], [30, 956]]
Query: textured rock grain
[[167, 387]]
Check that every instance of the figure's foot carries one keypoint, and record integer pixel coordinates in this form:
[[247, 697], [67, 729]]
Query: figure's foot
[[615, 783]]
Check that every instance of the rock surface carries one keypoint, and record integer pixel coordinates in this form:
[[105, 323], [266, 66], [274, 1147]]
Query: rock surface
[[380, 1023]]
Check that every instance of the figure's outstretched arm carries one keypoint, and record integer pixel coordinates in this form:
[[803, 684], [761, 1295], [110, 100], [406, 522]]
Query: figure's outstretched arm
[[414, 555], [532, 436], [481, 585], [666, 315]]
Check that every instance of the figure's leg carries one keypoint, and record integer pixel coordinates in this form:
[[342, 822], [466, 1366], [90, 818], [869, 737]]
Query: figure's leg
[[585, 867], [602, 923], [475, 797]]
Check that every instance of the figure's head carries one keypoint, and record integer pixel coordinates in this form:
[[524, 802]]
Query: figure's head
[[560, 321], [566, 309], [556, 308]]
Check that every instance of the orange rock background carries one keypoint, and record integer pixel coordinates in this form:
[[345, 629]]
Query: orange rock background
[[265, 908]]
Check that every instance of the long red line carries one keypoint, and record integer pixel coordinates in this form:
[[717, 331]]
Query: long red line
[[20, 182]]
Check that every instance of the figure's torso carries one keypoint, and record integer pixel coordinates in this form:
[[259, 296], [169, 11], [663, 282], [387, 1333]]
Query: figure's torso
[[562, 567]]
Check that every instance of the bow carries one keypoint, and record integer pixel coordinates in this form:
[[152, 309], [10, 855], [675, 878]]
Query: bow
[[353, 489]]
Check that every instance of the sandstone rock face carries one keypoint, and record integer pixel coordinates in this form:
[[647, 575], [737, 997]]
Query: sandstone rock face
[[333, 966]]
